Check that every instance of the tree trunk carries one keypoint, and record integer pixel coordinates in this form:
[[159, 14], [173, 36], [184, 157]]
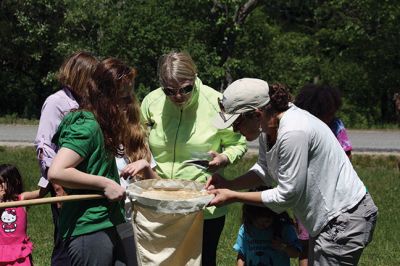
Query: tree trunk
[[231, 31]]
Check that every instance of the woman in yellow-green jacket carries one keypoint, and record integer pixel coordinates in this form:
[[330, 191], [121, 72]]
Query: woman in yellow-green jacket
[[179, 115]]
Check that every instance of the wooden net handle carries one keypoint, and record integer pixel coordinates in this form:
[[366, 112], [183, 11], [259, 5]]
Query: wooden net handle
[[47, 200]]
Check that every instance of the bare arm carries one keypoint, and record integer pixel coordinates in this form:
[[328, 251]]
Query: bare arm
[[240, 260], [30, 195], [64, 173], [141, 167], [245, 181], [226, 196]]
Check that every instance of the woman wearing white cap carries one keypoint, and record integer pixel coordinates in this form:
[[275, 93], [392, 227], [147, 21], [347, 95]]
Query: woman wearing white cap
[[313, 174]]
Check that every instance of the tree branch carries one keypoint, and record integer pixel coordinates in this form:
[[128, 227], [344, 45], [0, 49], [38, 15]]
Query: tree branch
[[244, 10]]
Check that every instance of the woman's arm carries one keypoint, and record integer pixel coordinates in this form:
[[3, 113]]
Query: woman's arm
[[245, 181], [53, 110], [226, 196], [234, 144], [292, 171], [63, 172]]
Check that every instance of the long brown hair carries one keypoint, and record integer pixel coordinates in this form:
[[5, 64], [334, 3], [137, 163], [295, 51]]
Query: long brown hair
[[116, 109], [75, 73]]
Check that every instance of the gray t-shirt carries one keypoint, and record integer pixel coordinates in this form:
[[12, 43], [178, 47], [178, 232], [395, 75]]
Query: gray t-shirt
[[314, 175]]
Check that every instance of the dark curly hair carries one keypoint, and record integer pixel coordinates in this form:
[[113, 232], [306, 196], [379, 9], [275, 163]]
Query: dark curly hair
[[280, 97], [252, 212], [319, 100]]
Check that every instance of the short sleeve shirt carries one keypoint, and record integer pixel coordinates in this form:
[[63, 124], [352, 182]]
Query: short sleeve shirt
[[340, 132], [80, 132]]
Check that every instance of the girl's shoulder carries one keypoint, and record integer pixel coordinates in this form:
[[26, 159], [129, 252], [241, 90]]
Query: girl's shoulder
[[77, 123], [80, 118]]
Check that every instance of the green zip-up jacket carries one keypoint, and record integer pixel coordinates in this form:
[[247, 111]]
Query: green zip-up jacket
[[179, 133]]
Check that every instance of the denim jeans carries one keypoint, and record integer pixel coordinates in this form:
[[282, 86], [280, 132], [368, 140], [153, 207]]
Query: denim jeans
[[344, 238]]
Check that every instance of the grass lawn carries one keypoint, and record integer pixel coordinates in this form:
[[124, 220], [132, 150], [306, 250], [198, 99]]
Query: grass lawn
[[379, 173]]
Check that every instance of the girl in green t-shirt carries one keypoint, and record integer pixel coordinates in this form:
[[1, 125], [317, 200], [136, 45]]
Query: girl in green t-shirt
[[89, 139]]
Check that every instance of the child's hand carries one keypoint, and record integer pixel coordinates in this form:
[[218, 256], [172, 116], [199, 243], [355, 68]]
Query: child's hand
[[114, 192], [291, 251], [134, 168], [59, 190], [278, 244]]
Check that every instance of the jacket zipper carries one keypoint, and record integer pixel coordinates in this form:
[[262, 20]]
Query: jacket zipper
[[176, 138]]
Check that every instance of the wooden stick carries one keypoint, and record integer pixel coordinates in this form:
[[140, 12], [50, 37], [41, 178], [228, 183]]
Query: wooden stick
[[47, 200]]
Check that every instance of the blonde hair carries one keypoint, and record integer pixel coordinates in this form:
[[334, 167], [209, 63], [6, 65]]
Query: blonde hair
[[176, 67], [75, 73]]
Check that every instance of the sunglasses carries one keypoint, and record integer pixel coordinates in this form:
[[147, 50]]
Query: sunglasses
[[183, 91]]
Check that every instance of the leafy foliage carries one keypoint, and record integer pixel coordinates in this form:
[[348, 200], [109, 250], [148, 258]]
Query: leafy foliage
[[350, 44]]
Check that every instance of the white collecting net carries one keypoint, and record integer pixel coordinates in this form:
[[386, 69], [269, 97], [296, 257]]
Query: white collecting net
[[168, 221]]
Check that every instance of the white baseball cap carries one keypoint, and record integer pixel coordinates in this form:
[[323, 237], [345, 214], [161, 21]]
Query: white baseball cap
[[242, 96]]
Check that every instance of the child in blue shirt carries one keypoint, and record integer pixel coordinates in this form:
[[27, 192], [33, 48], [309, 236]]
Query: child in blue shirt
[[266, 238]]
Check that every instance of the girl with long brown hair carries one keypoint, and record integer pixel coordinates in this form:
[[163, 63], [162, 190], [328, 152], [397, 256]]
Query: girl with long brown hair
[[89, 139]]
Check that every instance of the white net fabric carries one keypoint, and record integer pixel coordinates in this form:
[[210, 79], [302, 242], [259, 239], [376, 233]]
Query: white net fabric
[[168, 221], [169, 196]]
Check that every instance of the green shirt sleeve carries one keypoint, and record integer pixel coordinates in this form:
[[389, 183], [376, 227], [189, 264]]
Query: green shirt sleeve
[[78, 136], [234, 144]]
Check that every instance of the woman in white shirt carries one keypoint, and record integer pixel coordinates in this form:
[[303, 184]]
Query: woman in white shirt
[[313, 174]]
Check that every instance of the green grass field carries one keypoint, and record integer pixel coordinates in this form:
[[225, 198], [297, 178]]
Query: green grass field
[[379, 173]]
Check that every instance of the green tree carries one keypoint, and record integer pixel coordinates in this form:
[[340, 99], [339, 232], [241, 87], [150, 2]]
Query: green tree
[[28, 35]]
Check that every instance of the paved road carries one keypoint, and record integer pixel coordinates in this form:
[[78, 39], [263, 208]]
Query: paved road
[[381, 141], [363, 140]]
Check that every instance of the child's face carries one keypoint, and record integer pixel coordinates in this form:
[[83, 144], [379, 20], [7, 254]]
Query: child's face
[[3, 188], [263, 222]]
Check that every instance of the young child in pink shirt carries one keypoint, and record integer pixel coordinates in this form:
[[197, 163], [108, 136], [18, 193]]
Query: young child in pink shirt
[[15, 246]]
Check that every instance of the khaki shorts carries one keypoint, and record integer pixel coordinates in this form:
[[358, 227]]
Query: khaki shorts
[[344, 238]]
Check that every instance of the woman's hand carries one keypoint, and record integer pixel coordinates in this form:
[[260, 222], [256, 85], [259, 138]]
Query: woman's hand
[[134, 168], [222, 196], [218, 161]]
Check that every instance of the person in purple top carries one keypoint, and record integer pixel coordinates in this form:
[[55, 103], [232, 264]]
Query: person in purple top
[[322, 101], [73, 76]]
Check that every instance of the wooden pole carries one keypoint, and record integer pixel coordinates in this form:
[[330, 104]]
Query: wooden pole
[[47, 200]]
